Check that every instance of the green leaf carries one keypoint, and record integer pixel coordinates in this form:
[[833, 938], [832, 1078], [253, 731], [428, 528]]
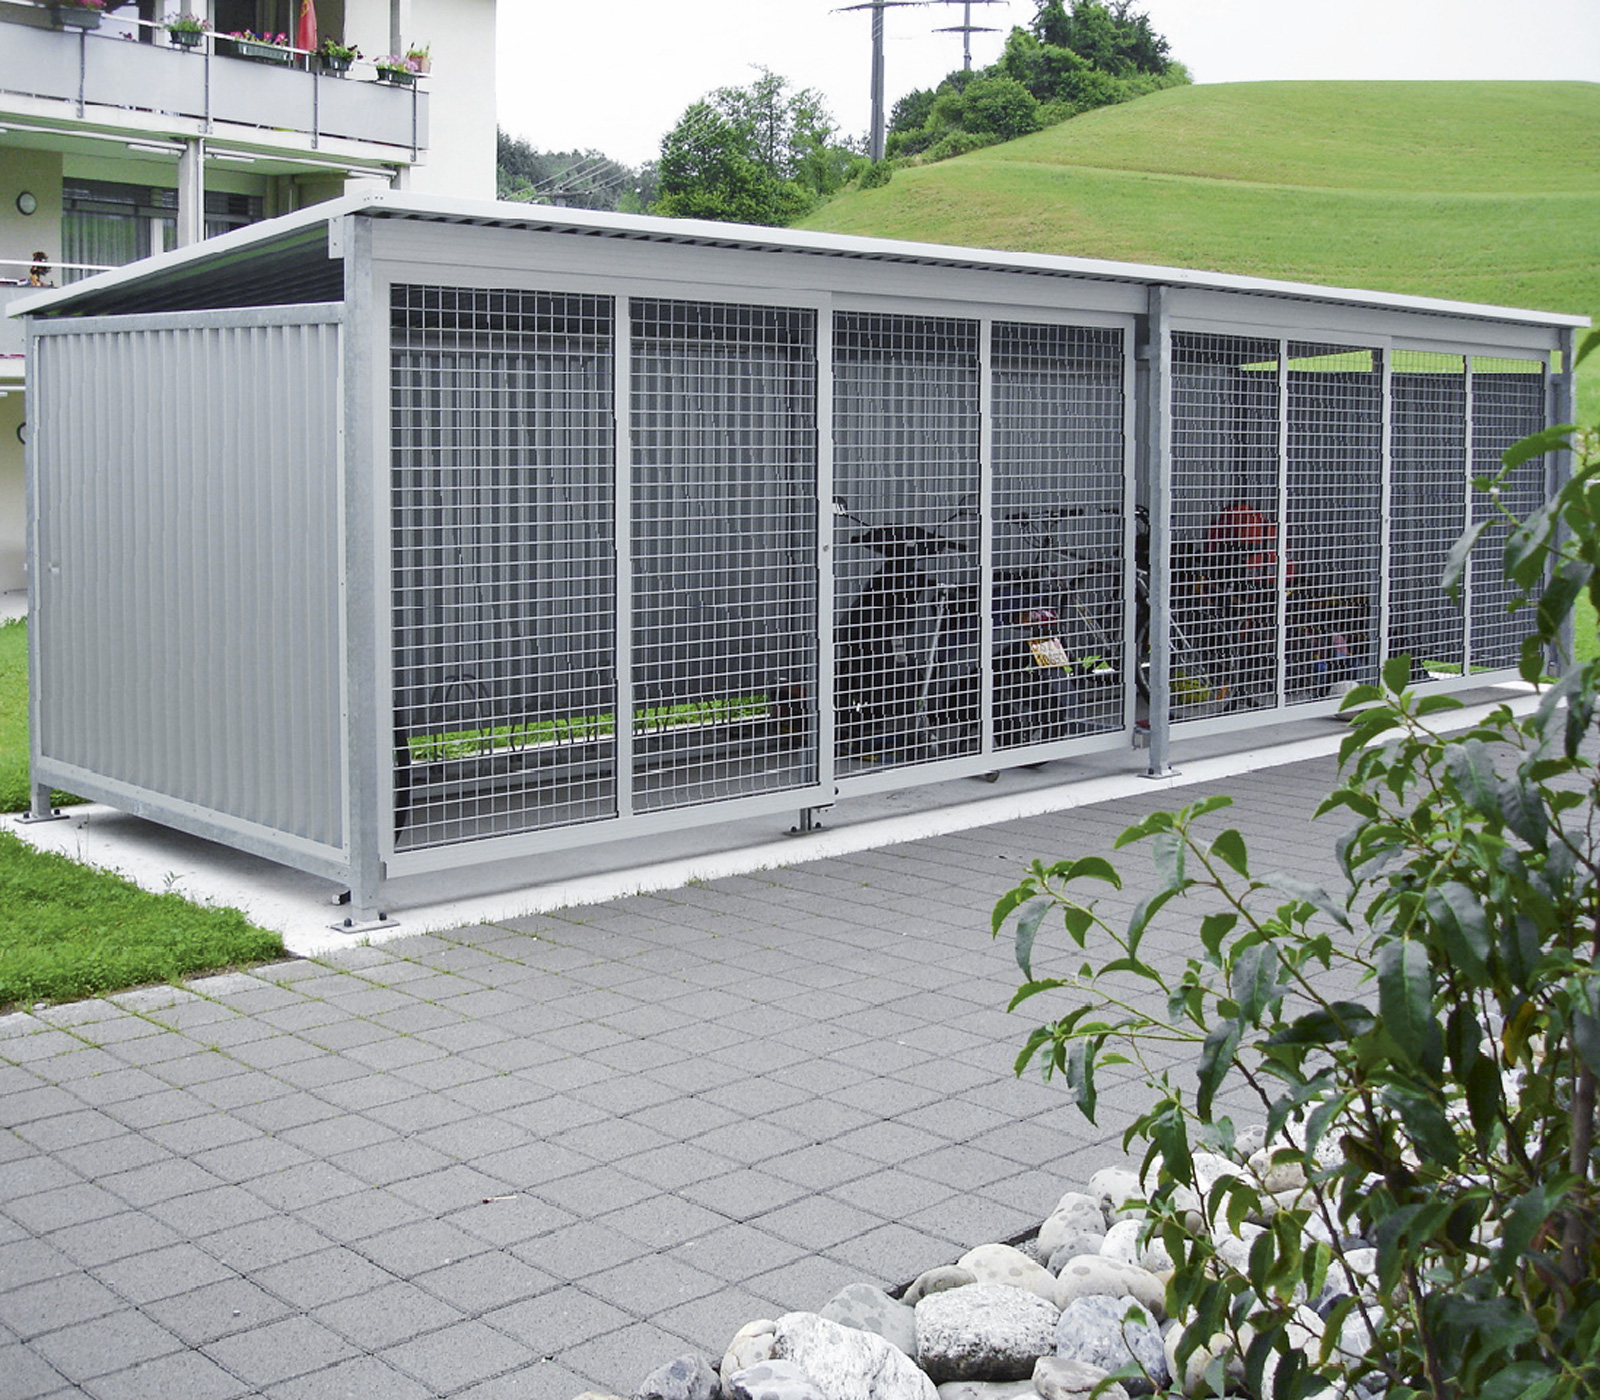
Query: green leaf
[[1405, 1002], [1396, 677], [1524, 812], [1216, 1057], [1471, 766], [1314, 895], [1213, 929], [1008, 903], [1537, 444], [1229, 847], [1463, 927], [1168, 851], [1254, 980], [1027, 930], [1455, 569], [1343, 1020], [1426, 1125], [1522, 1222]]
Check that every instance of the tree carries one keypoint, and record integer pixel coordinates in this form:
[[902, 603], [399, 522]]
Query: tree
[[577, 179], [761, 154], [1068, 61], [1424, 1046], [1108, 37]]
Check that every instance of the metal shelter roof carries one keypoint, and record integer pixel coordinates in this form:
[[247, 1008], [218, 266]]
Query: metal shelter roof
[[295, 259]]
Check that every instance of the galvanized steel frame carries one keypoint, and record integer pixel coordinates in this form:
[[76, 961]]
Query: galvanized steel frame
[[379, 253]]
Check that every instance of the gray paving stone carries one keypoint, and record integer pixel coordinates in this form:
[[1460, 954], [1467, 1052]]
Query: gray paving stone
[[28, 1376], [187, 1374], [458, 1355], [494, 1279], [159, 1273], [387, 1316], [554, 1322], [279, 1351], [358, 1378], [110, 1343], [215, 1310]]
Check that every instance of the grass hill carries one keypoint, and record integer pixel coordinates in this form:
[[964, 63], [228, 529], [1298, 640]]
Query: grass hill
[[1480, 191]]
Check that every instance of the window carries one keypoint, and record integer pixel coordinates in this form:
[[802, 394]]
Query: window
[[106, 224]]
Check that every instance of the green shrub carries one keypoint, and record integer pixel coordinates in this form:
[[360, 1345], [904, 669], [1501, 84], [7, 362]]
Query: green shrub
[[1424, 1048]]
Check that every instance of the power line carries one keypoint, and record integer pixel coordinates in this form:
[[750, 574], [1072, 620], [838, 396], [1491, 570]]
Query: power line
[[876, 139]]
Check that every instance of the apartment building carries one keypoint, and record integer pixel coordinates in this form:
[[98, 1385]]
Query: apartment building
[[121, 137]]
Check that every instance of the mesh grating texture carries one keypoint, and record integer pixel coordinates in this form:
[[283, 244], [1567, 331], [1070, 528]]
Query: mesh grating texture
[[1227, 614], [1058, 498], [1427, 506], [724, 551], [906, 584], [504, 588]]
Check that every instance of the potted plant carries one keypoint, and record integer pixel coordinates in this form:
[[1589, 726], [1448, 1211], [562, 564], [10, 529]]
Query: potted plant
[[263, 48], [76, 14], [334, 57], [395, 68], [418, 56], [186, 31]]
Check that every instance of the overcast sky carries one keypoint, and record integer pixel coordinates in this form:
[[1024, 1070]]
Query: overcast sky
[[614, 77]]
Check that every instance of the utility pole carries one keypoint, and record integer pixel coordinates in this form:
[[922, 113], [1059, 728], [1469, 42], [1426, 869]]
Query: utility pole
[[875, 140], [966, 29]]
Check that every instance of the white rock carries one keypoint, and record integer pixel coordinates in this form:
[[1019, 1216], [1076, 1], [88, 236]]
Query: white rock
[[1057, 1378], [984, 1332], [1091, 1275], [1075, 1214], [1208, 1368], [772, 1380], [987, 1390], [1000, 1263], [1117, 1189], [1156, 1258], [751, 1345], [846, 1364], [1102, 1332], [1122, 1242], [936, 1281], [1074, 1245]]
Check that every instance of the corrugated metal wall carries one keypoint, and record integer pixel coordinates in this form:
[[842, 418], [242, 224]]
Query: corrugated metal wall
[[186, 595]]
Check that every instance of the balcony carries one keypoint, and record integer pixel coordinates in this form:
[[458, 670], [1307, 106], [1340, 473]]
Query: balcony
[[89, 76]]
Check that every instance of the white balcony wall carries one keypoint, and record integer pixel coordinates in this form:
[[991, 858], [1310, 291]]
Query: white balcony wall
[[186, 93], [460, 155]]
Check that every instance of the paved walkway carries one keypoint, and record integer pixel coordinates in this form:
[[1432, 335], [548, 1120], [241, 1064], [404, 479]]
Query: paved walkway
[[541, 1157]]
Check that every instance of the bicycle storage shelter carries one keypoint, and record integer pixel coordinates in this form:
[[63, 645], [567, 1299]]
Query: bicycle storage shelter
[[400, 534]]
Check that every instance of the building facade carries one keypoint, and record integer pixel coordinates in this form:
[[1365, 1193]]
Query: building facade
[[117, 140]]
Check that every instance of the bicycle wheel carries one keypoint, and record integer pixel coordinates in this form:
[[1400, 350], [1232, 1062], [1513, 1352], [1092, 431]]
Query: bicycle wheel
[[1198, 685]]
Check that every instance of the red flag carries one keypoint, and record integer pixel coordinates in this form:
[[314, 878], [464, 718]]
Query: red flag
[[305, 36]]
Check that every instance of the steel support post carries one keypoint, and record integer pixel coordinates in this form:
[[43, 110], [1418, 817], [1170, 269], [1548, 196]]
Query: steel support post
[[1158, 468]]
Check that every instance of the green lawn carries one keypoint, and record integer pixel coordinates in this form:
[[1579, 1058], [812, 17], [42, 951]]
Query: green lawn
[[69, 932], [1472, 191]]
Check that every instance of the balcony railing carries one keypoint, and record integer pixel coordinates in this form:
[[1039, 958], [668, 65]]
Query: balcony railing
[[206, 90], [15, 283]]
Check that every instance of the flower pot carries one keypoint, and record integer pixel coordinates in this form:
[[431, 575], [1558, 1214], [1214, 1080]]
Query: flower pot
[[185, 38], [329, 64], [255, 50], [74, 17], [423, 63], [401, 77]]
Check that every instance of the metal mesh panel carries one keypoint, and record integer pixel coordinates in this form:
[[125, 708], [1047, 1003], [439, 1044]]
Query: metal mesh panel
[[724, 550], [1427, 507], [1508, 403], [906, 430], [1058, 494], [1226, 603], [1334, 509], [504, 590]]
